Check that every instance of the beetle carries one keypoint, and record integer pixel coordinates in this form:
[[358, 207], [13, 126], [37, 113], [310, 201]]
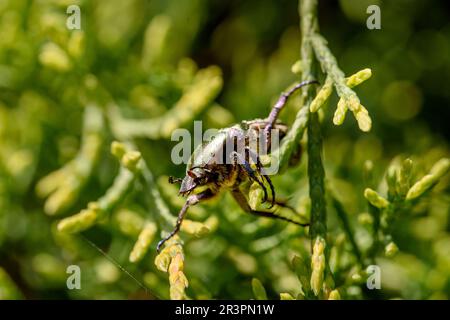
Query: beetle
[[230, 158]]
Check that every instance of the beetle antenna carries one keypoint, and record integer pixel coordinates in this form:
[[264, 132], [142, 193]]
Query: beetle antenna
[[192, 200], [173, 180]]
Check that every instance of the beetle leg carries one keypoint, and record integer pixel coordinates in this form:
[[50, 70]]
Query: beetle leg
[[256, 159], [242, 201], [191, 200], [283, 203], [239, 160], [272, 189], [279, 105], [260, 125]]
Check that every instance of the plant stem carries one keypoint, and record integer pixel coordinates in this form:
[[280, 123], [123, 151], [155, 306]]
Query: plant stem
[[375, 213], [330, 67], [163, 210], [166, 219], [290, 143], [316, 176], [308, 25], [316, 172], [347, 228], [318, 224]]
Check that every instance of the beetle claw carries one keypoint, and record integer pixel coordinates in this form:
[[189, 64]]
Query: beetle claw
[[158, 246]]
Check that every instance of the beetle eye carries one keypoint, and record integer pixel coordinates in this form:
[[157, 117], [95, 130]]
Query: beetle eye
[[191, 174]]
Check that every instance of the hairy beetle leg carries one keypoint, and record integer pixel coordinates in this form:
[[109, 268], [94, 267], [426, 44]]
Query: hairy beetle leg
[[272, 189], [191, 200], [281, 102], [256, 159], [242, 201], [239, 160]]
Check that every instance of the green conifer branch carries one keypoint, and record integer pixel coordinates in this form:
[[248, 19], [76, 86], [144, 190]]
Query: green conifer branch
[[63, 186]]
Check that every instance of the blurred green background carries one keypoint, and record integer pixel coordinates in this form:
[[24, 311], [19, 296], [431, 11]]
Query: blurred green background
[[143, 55]]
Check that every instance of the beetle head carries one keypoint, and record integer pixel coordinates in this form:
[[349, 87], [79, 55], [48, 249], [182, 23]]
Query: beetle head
[[194, 178]]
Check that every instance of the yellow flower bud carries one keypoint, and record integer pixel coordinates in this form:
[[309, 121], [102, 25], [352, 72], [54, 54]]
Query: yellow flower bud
[[322, 96], [439, 169], [403, 179], [63, 197], [318, 265], [53, 57], [358, 77], [81, 221], [297, 67], [162, 260], [143, 243], [255, 196], [75, 47], [286, 296], [339, 114], [375, 199], [363, 119], [118, 149], [258, 290], [391, 249], [131, 159], [177, 280], [212, 223], [334, 295], [194, 228]]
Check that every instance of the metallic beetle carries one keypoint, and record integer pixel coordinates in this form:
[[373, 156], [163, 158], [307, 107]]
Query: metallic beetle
[[231, 158]]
